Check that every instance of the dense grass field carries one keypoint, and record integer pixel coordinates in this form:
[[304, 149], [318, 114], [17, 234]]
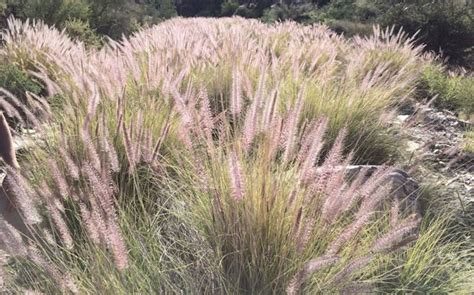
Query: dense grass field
[[206, 156]]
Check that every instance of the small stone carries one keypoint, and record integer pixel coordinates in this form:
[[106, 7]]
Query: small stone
[[402, 118], [412, 146], [2, 176]]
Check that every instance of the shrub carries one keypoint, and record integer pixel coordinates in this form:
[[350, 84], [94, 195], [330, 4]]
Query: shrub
[[349, 28], [52, 12], [453, 91], [282, 12], [468, 143], [396, 65], [20, 96], [165, 8], [17, 81], [80, 30], [228, 8], [445, 27], [84, 18]]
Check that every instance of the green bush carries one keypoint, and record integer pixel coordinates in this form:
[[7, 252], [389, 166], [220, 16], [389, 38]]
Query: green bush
[[349, 28], [247, 11], [165, 8], [468, 143], [351, 10], [455, 92], [16, 80], [52, 12], [276, 13], [228, 8], [446, 27], [121, 17], [84, 18], [81, 30], [282, 12]]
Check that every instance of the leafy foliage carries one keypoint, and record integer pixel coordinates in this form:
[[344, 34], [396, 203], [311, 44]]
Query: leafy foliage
[[445, 27], [17, 81], [82, 31], [454, 91], [85, 18], [468, 143]]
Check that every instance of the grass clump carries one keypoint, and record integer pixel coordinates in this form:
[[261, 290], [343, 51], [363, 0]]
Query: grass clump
[[354, 83], [279, 222], [453, 91], [468, 142], [437, 263], [212, 149]]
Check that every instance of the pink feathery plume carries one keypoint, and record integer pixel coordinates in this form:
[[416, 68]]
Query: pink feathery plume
[[72, 168], [90, 148], [109, 149], [20, 194], [366, 211], [394, 212], [309, 158], [117, 245], [305, 234], [64, 280], [10, 240], [311, 267], [206, 112], [58, 178], [292, 128], [395, 236], [10, 110], [236, 93], [129, 148], [57, 218], [235, 171], [252, 115], [15, 102], [101, 189], [354, 266], [89, 223]]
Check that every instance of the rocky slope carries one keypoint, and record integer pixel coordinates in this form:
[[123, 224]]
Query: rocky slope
[[435, 156]]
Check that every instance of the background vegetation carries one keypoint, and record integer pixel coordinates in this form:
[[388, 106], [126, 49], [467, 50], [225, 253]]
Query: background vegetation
[[445, 27]]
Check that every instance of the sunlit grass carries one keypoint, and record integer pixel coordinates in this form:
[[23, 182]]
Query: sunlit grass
[[185, 160]]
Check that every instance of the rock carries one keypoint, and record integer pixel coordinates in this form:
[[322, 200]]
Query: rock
[[23, 143], [2, 176], [8, 212], [7, 149], [402, 119], [404, 188]]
